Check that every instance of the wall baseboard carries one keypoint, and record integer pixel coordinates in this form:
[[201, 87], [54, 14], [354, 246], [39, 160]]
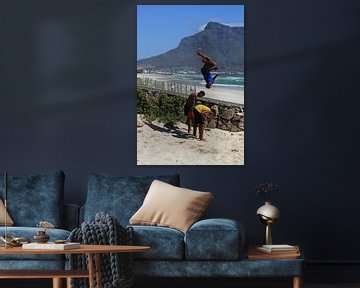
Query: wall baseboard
[[332, 271]]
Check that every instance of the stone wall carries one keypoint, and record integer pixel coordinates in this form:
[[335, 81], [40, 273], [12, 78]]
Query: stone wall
[[227, 117]]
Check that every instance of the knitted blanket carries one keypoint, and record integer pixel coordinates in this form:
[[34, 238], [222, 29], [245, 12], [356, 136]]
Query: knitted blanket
[[116, 268]]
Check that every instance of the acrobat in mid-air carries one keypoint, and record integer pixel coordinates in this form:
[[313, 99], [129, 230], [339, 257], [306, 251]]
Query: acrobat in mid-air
[[209, 65]]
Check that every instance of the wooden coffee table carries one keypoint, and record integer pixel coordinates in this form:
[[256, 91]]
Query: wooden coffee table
[[93, 251]]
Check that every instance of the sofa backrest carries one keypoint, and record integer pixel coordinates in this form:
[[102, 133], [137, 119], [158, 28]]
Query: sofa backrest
[[70, 219], [120, 196], [35, 198]]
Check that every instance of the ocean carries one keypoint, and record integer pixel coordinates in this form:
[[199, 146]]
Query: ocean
[[227, 87], [224, 80]]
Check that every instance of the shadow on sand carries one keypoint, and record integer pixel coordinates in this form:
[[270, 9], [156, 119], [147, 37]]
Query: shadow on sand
[[171, 129]]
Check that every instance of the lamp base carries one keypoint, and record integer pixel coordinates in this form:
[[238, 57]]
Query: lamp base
[[268, 237]]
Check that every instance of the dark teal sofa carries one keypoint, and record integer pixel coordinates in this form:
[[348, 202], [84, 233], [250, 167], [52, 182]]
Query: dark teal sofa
[[210, 248]]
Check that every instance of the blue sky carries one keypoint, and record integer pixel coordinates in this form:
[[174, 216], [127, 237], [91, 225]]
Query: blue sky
[[161, 27]]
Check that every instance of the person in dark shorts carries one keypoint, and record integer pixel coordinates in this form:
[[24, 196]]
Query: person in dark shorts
[[209, 65], [201, 113], [189, 108]]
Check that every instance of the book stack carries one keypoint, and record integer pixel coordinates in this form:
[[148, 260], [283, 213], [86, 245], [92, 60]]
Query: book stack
[[51, 246], [282, 251], [279, 249]]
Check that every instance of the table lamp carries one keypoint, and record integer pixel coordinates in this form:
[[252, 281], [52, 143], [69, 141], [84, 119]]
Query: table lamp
[[268, 214]]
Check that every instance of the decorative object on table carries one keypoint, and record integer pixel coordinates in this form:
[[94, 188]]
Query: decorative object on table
[[268, 213], [60, 241], [11, 241], [41, 236]]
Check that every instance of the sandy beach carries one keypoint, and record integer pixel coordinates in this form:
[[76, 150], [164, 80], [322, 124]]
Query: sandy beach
[[227, 94], [159, 145]]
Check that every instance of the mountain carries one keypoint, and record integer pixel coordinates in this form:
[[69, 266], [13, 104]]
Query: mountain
[[223, 44]]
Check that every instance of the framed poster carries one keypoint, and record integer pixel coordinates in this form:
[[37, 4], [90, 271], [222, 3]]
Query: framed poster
[[190, 85]]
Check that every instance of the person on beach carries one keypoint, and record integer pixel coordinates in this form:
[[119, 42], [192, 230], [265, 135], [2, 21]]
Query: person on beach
[[209, 65], [189, 108], [201, 113]]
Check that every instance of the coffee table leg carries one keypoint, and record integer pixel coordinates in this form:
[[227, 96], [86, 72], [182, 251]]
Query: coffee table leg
[[98, 270], [68, 282], [297, 282], [57, 283], [91, 270]]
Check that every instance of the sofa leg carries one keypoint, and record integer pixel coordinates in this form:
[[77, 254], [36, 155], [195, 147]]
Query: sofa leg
[[297, 282], [57, 283]]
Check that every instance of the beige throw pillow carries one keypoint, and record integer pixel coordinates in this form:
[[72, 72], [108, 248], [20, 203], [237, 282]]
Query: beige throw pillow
[[9, 221], [170, 206]]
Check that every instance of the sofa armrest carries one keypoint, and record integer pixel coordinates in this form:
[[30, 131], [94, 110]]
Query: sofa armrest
[[71, 216], [215, 239]]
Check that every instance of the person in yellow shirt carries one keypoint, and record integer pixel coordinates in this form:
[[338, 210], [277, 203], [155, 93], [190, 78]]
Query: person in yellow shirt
[[201, 113]]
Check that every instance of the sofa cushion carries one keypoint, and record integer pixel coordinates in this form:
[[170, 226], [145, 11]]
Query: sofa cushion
[[119, 196], [29, 232], [170, 206], [38, 264], [214, 239], [165, 243], [35, 198], [9, 221]]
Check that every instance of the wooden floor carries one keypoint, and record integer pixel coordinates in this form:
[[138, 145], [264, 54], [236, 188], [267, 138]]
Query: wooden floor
[[45, 283], [338, 285]]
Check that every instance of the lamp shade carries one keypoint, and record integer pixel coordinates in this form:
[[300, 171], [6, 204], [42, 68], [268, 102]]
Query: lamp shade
[[268, 211]]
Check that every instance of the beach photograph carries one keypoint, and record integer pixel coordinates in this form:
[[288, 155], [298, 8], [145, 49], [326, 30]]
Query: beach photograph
[[190, 85]]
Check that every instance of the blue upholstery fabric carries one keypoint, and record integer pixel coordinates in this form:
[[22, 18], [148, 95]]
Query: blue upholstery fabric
[[29, 232], [119, 196], [35, 198], [214, 239], [237, 268], [166, 243], [32, 265], [71, 216]]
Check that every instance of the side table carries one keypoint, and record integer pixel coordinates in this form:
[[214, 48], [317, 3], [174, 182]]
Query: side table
[[288, 259]]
